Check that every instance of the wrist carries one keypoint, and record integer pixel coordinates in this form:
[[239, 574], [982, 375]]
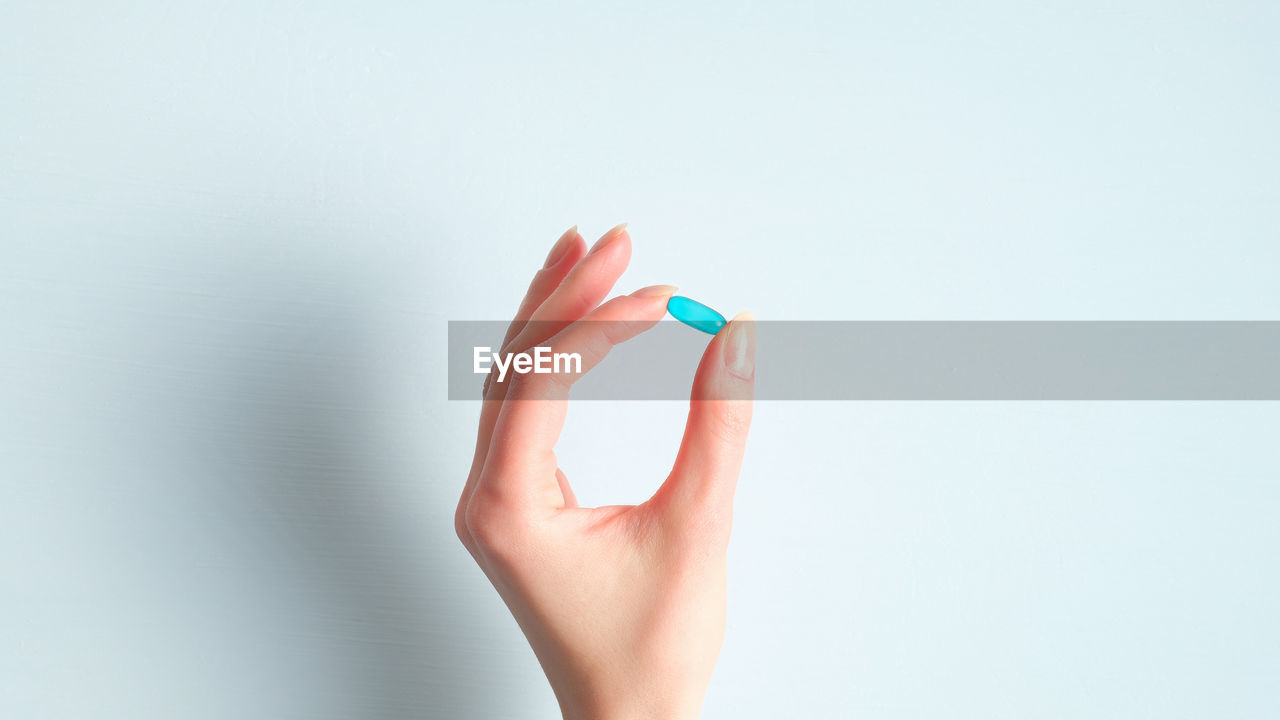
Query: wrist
[[621, 707], [645, 712]]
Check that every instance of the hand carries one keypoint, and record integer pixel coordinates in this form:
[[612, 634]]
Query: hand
[[624, 605]]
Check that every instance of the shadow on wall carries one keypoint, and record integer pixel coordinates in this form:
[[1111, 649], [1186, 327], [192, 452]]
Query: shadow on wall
[[306, 429]]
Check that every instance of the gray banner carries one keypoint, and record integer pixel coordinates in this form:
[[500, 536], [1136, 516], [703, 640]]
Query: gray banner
[[869, 360]]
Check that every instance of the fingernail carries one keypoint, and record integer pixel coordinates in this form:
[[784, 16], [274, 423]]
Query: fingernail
[[609, 237], [655, 291], [740, 347], [561, 248]]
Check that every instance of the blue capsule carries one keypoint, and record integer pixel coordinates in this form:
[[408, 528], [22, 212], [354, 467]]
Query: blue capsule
[[695, 314]]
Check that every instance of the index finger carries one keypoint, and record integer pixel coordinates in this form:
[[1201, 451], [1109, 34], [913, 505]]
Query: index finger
[[521, 466]]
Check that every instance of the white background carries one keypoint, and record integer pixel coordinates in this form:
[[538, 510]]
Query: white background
[[231, 237]]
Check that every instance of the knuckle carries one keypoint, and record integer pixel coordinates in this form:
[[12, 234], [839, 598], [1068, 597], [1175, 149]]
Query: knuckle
[[579, 302], [494, 528], [731, 421], [460, 523], [518, 385], [531, 386]]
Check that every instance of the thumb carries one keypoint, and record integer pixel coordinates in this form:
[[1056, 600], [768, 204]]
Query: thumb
[[715, 436]]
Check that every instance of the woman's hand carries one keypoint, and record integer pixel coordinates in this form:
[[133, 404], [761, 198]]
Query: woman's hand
[[623, 605]]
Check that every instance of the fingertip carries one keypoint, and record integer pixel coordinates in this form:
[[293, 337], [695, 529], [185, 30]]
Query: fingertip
[[597, 271], [563, 247], [739, 350], [656, 291], [727, 369], [615, 234]]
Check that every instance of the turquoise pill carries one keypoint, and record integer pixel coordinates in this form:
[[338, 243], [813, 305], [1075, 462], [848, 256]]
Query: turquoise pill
[[695, 314]]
